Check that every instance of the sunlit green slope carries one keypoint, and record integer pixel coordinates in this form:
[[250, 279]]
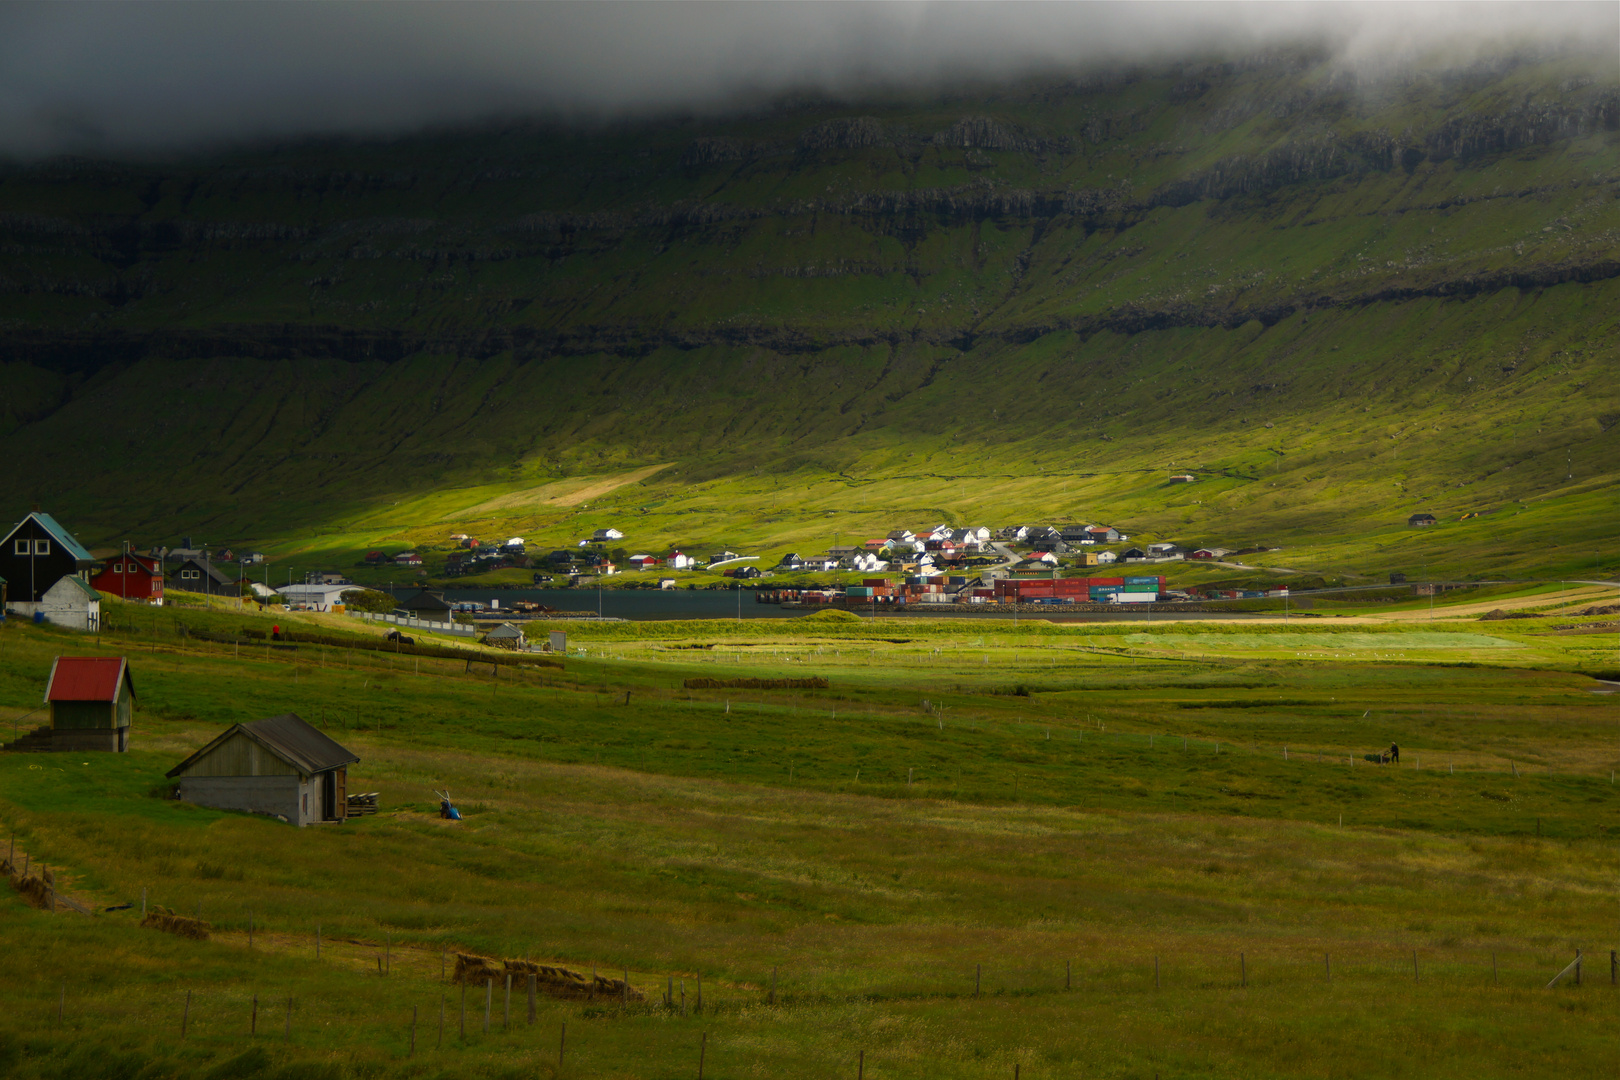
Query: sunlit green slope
[[1336, 300]]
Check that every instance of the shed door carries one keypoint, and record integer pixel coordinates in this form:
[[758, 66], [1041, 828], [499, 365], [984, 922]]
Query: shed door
[[329, 795]]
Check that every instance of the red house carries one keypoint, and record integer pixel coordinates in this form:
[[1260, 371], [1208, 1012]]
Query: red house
[[131, 576]]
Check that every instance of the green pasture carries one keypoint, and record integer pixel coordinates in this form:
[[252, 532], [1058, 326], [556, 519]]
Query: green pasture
[[1047, 813]]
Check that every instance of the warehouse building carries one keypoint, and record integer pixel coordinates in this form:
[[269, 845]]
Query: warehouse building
[[281, 766]]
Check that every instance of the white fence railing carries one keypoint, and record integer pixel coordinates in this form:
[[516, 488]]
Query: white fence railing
[[405, 622]]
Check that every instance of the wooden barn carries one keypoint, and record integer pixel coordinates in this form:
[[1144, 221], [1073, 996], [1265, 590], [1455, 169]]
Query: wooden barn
[[92, 699], [280, 766]]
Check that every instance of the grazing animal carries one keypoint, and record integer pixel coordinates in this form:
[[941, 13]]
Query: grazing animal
[[399, 638]]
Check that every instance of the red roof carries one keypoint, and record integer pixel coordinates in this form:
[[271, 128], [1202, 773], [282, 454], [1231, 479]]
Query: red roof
[[86, 678]]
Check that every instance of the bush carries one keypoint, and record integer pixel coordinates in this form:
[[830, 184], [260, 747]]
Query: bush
[[369, 600]]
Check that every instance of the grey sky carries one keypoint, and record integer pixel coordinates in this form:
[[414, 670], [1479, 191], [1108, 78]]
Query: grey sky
[[113, 77]]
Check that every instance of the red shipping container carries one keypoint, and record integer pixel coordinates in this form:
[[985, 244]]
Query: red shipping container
[[1107, 581], [874, 581]]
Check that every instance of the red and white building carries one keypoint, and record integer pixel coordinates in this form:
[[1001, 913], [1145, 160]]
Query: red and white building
[[131, 576]]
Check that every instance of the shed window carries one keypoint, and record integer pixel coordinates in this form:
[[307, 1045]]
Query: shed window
[[42, 547]]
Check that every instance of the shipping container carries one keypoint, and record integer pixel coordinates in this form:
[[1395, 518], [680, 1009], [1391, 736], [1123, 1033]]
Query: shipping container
[[1136, 598], [1107, 581], [871, 581], [858, 591], [1140, 588]]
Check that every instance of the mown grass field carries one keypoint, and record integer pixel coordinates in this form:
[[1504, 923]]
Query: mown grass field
[[1012, 804]]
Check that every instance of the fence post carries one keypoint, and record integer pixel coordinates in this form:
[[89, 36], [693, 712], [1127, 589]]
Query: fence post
[[533, 978], [562, 1045], [978, 975], [771, 1000], [253, 1018], [412, 1051], [506, 1005], [287, 1036], [1243, 970], [185, 1015], [489, 994], [703, 1049]]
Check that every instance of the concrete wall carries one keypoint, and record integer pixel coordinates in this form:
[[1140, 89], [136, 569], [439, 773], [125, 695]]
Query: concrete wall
[[278, 795]]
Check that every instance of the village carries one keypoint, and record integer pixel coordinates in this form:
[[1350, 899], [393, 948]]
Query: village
[[47, 575]]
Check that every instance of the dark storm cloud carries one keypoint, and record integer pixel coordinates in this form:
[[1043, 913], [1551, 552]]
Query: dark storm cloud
[[111, 77]]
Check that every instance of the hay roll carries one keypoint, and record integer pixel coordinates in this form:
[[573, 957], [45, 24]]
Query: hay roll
[[161, 918]]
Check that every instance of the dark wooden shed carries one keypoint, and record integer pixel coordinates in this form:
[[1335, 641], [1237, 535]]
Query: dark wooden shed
[[280, 766]]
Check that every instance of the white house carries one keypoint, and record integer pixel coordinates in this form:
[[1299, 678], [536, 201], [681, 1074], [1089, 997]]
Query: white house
[[868, 562], [604, 535], [1107, 557], [70, 603], [679, 561]]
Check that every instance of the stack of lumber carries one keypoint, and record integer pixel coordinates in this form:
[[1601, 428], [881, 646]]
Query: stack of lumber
[[363, 804]]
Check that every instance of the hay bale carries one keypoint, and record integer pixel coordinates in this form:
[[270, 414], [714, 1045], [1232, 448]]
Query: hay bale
[[816, 683], [161, 918], [475, 969], [561, 983]]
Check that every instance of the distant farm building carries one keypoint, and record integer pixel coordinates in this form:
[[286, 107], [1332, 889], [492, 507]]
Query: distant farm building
[[1420, 520], [317, 596], [506, 636], [602, 536], [1184, 478], [1211, 553], [281, 766], [426, 605], [131, 576], [91, 700], [202, 576]]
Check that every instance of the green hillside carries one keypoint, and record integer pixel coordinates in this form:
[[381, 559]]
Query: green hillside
[[1336, 300]]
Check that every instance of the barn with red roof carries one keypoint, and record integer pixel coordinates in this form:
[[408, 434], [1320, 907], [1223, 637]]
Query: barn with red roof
[[92, 700]]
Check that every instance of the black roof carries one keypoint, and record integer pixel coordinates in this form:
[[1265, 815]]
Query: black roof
[[289, 738], [208, 568], [425, 601]]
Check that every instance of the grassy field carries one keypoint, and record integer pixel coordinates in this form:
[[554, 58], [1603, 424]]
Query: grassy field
[[1062, 849]]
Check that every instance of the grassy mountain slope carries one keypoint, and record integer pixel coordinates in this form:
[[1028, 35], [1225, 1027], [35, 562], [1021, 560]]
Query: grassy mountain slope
[[1336, 300]]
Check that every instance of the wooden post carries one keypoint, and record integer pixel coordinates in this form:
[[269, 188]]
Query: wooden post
[[412, 1051], [443, 956], [1243, 969], [1068, 974], [287, 1036], [253, 1019], [860, 1067], [379, 967], [978, 976], [1494, 979], [441, 1021], [533, 978], [1614, 967], [1155, 972], [669, 994], [771, 999], [185, 1015], [1327, 965], [143, 901], [463, 1010], [703, 1049], [388, 954], [624, 991], [489, 995], [1577, 970], [699, 1006], [61, 1002], [506, 1006], [317, 941], [562, 1045], [1414, 966]]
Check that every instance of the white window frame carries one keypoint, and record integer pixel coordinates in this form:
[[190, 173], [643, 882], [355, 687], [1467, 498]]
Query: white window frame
[[42, 547], [22, 547]]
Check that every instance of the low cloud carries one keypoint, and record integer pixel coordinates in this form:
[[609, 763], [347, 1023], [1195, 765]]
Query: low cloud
[[111, 78]]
